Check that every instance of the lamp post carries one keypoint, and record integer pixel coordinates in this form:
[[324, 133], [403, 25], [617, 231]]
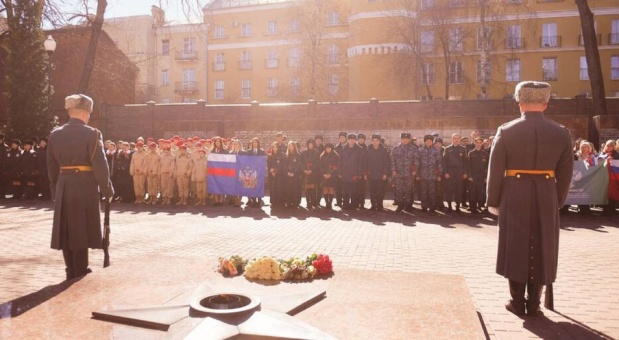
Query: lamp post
[[50, 47]]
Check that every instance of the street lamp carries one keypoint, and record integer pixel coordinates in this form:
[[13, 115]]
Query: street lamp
[[50, 47]]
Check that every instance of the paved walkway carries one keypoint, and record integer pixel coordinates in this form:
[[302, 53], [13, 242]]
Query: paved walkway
[[586, 300]]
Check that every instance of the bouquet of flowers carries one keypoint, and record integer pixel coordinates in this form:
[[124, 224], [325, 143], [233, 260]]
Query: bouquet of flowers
[[322, 263], [263, 268], [297, 269], [232, 266]]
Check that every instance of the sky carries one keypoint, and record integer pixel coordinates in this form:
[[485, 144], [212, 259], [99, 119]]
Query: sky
[[173, 8]]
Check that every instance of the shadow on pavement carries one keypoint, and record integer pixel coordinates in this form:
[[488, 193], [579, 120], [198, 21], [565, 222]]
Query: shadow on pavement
[[21, 305], [548, 329]]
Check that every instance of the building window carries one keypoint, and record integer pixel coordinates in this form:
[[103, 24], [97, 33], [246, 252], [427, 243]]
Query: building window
[[455, 39], [614, 67], [272, 87], [549, 35], [272, 28], [584, 69], [512, 70], [294, 57], [483, 78], [220, 62], [483, 42], [549, 69], [333, 52], [219, 89], [272, 60], [614, 32], [456, 3], [427, 4], [165, 47], [245, 62], [333, 19], [333, 84], [427, 74], [220, 32], [165, 77], [189, 75], [514, 39], [293, 26], [246, 30], [246, 88], [189, 46], [456, 75], [427, 41], [295, 86]]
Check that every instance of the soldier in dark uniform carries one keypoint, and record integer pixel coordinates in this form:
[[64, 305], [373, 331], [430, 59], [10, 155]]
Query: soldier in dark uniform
[[78, 173], [29, 170], [477, 171], [429, 174], [440, 192], [3, 170], [14, 169], [464, 141], [43, 176], [377, 171], [338, 181], [454, 167], [351, 171], [403, 168], [528, 182], [362, 183]]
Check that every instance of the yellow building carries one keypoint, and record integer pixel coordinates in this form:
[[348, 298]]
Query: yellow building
[[350, 50]]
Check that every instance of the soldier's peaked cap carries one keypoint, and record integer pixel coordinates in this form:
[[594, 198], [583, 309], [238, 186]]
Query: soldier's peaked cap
[[428, 137], [405, 135], [376, 136], [343, 134], [361, 135], [78, 101], [531, 92], [352, 136]]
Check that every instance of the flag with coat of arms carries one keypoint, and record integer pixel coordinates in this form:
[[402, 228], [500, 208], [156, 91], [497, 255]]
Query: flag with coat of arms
[[236, 175]]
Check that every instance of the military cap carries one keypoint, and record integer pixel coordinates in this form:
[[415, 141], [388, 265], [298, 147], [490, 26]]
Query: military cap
[[329, 145], [319, 137], [532, 92], [361, 135], [78, 101], [310, 141], [28, 142], [376, 137], [132, 144], [428, 137], [183, 147], [478, 138], [464, 138], [352, 136], [198, 145], [139, 144], [160, 140], [16, 141], [405, 135], [176, 137], [179, 144], [438, 140], [152, 145], [195, 138], [343, 134], [434, 134]]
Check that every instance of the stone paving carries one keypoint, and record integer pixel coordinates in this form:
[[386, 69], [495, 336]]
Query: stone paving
[[586, 301]]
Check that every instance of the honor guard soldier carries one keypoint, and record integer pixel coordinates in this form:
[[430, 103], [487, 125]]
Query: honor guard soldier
[[138, 170], [376, 172], [530, 172], [477, 170], [29, 170], [403, 168], [79, 175], [429, 174], [184, 166], [454, 167], [14, 169]]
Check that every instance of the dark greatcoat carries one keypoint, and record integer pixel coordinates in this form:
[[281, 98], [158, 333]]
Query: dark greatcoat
[[529, 208], [329, 164], [77, 222], [278, 178], [309, 161]]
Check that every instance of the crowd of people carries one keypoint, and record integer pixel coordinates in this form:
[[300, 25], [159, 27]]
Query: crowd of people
[[441, 175]]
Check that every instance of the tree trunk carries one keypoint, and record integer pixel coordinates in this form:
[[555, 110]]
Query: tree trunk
[[97, 26], [594, 67]]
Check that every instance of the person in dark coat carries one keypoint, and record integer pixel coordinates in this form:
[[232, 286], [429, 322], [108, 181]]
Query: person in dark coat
[[338, 181], [277, 175], [329, 169], [3, 170], [528, 182], [351, 171], [14, 168], [309, 162], [255, 150], [376, 172], [362, 182], [78, 173], [43, 176], [477, 172], [294, 170], [454, 167], [29, 170], [124, 180]]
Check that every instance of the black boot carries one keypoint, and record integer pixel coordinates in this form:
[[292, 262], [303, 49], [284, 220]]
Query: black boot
[[534, 291], [516, 304], [449, 206], [329, 202]]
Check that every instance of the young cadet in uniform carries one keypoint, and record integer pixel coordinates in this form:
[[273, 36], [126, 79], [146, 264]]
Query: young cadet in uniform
[[198, 175], [377, 172], [528, 182], [13, 165], [309, 163], [464, 141], [138, 170], [454, 167], [152, 173], [477, 170], [167, 169], [429, 174], [403, 168], [29, 171], [362, 183], [184, 166], [338, 181], [329, 169], [351, 171], [440, 192]]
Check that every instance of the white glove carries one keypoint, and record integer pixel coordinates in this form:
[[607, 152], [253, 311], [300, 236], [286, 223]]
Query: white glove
[[493, 211]]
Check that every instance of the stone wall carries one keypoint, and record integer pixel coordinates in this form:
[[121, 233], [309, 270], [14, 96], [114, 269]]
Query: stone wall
[[300, 121]]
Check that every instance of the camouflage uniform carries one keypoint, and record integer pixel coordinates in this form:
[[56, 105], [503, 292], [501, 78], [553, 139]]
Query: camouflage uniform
[[430, 169], [404, 161], [454, 165]]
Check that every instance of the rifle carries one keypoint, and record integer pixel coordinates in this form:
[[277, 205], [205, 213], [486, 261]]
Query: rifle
[[549, 299], [106, 235]]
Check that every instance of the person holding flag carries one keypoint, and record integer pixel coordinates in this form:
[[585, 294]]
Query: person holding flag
[[611, 159]]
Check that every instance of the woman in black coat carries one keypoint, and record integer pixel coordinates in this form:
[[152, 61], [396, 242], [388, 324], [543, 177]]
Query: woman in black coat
[[329, 170], [277, 175], [309, 162], [294, 170]]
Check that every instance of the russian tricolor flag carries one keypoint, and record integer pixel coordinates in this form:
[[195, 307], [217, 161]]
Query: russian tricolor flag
[[221, 171], [613, 175]]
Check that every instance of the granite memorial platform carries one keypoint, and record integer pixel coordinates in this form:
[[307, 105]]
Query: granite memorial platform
[[171, 298]]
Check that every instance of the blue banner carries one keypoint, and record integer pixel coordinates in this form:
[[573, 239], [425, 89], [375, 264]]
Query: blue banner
[[236, 175]]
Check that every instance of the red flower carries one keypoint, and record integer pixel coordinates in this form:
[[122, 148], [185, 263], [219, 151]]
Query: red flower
[[323, 265], [355, 178]]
